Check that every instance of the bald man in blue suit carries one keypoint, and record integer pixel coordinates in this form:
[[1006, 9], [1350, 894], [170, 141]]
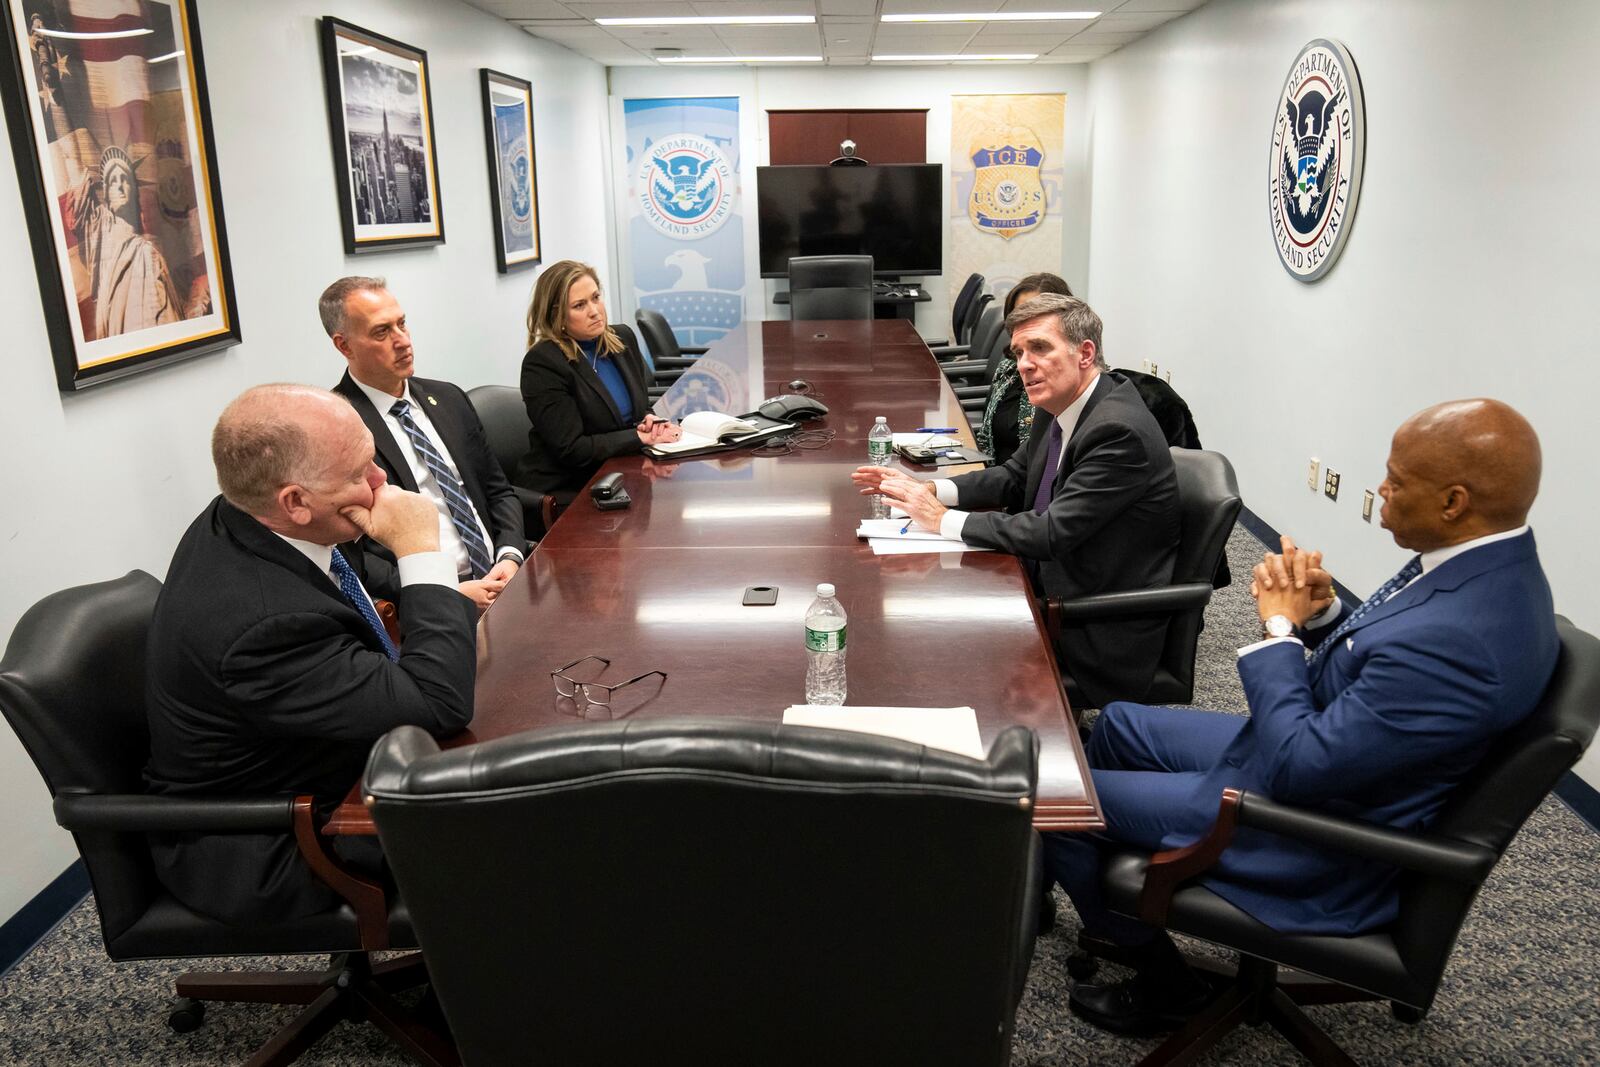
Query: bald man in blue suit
[[1374, 714]]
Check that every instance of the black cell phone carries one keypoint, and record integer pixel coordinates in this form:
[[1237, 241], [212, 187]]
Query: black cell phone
[[608, 493], [760, 596]]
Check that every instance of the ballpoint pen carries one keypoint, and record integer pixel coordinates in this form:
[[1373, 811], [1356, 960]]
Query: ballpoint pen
[[907, 526], [937, 429]]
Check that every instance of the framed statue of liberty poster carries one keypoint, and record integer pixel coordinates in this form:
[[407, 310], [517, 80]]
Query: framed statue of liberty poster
[[111, 133], [513, 183], [381, 116]]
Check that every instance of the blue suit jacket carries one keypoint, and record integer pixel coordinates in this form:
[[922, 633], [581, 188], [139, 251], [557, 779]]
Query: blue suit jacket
[[1400, 711]]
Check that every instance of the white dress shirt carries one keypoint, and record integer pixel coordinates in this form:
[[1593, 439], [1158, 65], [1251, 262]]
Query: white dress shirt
[[450, 541], [419, 568], [945, 489], [1431, 559]]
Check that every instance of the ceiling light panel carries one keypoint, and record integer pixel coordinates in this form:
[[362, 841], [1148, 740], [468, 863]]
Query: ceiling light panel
[[710, 20]]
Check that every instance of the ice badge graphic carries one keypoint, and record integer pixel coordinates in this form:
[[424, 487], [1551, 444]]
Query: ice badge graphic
[[685, 186], [1314, 169], [1007, 193]]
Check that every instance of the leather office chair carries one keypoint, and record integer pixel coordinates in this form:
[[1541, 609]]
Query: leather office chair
[[72, 687], [1171, 413], [1441, 871], [981, 349], [688, 891], [669, 359], [1208, 499], [506, 426], [830, 287], [964, 312]]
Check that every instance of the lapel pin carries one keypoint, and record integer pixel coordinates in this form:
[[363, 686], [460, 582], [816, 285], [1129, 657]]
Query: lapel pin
[[432, 401]]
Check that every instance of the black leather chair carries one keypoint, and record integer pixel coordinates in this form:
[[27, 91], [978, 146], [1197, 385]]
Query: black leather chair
[[1441, 871], [693, 891], [1208, 497], [72, 687], [506, 426], [981, 348], [964, 312], [970, 344], [830, 287], [670, 358]]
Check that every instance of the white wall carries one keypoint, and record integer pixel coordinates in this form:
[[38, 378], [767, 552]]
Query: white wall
[[778, 88], [1467, 271], [107, 480]]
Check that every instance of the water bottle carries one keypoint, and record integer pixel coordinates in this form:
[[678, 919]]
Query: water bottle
[[825, 631], [880, 443]]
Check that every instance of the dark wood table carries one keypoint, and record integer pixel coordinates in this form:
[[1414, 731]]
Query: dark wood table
[[658, 586]]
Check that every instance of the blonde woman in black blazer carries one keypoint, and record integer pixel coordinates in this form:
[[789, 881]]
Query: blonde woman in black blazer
[[583, 382]]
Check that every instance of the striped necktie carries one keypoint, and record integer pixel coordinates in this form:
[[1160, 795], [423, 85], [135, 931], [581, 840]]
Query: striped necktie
[[1385, 591], [462, 516], [350, 586]]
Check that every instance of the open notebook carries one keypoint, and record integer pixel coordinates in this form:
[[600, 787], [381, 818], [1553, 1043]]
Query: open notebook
[[712, 431]]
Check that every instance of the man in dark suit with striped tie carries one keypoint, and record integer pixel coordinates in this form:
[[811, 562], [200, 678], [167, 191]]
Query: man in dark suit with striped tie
[[268, 670], [428, 439]]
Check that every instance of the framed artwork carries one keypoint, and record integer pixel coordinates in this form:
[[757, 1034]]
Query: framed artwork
[[381, 118], [513, 184], [111, 134]]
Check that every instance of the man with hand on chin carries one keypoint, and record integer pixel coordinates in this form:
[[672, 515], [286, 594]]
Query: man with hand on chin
[[1090, 504], [269, 671], [1372, 714], [428, 440]]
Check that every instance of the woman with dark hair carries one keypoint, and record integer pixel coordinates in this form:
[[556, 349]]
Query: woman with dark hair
[[1007, 415], [583, 382]]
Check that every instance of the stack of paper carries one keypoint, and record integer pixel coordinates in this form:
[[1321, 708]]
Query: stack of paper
[[951, 729], [926, 440], [886, 538]]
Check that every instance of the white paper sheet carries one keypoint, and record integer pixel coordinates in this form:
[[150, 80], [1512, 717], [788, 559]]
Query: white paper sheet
[[891, 528], [895, 546], [926, 440], [951, 729]]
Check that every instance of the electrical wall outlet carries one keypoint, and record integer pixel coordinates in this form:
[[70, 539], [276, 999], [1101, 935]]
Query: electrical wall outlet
[[1168, 377], [1330, 484], [1144, 365], [1155, 371], [1366, 506], [1311, 474]]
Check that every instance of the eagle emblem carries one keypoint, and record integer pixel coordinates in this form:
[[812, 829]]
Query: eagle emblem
[[685, 186]]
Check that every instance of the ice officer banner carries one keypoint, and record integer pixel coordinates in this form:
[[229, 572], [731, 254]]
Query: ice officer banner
[[685, 220], [1006, 169]]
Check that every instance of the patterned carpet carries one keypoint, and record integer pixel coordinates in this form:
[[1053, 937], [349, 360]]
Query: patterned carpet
[[1521, 988]]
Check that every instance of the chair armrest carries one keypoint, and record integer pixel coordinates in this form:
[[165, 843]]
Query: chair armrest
[[365, 897], [936, 342], [1410, 850], [668, 374], [673, 363], [136, 813], [970, 392], [945, 353], [694, 350], [1170, 598], [965, 368]]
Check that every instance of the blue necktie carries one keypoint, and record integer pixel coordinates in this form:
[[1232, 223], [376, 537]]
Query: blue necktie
[[462, 517], [350, 586], [1385, 591], [1052, 465]]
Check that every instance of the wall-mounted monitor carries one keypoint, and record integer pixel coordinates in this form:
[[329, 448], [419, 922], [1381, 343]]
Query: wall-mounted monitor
[[893, 213]]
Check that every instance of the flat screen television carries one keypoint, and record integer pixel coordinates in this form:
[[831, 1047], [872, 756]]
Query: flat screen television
[[893, 213]]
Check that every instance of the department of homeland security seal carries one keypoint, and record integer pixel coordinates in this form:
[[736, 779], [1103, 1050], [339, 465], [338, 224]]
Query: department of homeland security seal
[[1007, 193], [1314, 170], [685, 186]]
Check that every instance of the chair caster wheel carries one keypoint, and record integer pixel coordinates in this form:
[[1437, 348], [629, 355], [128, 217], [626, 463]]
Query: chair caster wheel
[[1082, 966], [1405, 1013], [186, 1016]]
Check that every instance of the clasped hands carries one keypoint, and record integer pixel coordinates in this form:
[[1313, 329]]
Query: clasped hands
[[657, 431], [912, 495], [1291, 583]]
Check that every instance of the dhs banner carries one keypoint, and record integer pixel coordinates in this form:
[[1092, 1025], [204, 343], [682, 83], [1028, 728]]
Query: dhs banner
[[685, 221], [1006, 169]]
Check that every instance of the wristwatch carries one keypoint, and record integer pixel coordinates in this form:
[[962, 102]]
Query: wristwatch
[[1276, 626]]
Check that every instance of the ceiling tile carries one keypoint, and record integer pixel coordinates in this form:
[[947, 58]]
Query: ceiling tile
[[848, 7], [963, 31], [515, 10], [581, 33], [611, 10], [1084, 52], [754, 7], [1133, 6], [1005, 34], [921, 7], [848, 61], [1140, 23], [1013, 42], [1093, 36]]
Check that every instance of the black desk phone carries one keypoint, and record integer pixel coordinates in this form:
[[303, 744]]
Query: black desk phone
[[792, 407]]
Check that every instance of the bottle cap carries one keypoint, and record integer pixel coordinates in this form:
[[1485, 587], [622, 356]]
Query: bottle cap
[[825, 589], [883, 418]]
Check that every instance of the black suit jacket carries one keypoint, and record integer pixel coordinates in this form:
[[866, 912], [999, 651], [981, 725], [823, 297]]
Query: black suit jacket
[[1112, 524], [261, 680], [453, 416], [576, 424]]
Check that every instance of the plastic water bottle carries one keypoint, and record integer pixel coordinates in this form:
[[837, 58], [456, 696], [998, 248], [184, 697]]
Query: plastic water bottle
[[825, 632], [880, 443]]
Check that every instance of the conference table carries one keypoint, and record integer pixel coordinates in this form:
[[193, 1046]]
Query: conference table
[[659, 585]]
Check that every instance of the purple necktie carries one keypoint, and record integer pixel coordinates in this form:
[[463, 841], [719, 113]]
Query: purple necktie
[[1052, 464]]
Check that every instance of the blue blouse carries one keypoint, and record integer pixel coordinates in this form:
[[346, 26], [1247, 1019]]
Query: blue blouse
[[610, 376]]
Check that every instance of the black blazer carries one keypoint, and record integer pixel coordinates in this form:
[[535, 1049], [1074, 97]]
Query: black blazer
[[576, 424], [453, 416], [262, 679], [1112, 524]]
